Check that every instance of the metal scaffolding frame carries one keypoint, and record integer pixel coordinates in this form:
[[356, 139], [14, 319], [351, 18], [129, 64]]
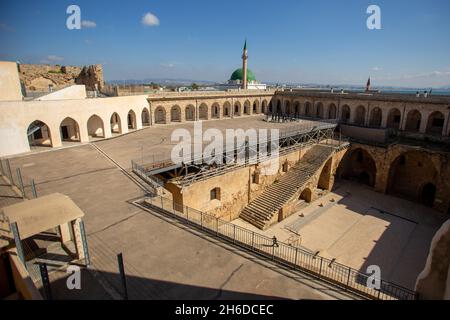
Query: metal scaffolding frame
[[202, 167]]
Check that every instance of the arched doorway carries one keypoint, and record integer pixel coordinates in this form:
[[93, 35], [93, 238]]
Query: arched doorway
[[358, 165], [319, 110], [227, 109], [325, 182], [413, 121], [145, 117], [332, 111], [203, 112], [190, 113], [427, 194], [247, 107], [175, 114], [345, 114], [255, 109], [287, 108], [360, 115], [308, 109], [375, 118], [394, 117], [297, 108], [278, 107], [237, 108], [115, 123], [69, 130], [409, 173], [95, 127], [264, 106], [160, 115], [306, 195], [435, 123], [131, 120], [39, 134], [215, 111]]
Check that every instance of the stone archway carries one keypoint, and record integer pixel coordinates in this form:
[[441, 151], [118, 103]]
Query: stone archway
[[394, 117], [215, 111], [175, 114], [255, 108], [324, 181], [247, 107], [409, 173], [332, 111], [308, 109], [345, 114], [145, 117], [358, 165], [95, 127], [297, 108], [131, 120], [237, 108], [203, 112], [306, 195], [413, 121], [287, 108], [319, 110], [39, 134], [376, 116], [435, 123], [360, 115], [190, 113], [264, 107], [227, 109], [427, 194], [160, 115], [70, 131], [116, 126]]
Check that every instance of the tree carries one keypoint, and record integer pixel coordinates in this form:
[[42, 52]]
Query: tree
[[194, 86]]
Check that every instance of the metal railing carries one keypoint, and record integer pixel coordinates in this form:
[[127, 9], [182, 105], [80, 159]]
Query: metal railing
[[295, 258], [15, 179]]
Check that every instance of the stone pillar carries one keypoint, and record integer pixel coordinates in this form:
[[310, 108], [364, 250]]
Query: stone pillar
[[424, 122], [65, 233], [77, 239]]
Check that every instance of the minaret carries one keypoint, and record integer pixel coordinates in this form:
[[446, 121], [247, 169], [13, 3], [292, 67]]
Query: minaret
[[244, 66], [368, 85]]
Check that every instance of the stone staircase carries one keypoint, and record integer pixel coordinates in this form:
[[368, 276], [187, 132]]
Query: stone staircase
[[262, 209]]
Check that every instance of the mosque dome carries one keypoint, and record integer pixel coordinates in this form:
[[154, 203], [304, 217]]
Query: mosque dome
[[238, 74]]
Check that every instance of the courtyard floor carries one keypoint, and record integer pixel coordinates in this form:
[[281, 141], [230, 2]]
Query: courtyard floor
[[164, 259], [360, 227]]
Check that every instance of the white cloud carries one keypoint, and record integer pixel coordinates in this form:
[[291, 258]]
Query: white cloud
[[149, 19], [167, 65], [88, 24], [88, 41], [376, 69], [54, 58]]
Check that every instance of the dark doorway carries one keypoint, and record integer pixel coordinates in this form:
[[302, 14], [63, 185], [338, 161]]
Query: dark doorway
[[364, 178], [427, 195], [65, 133]]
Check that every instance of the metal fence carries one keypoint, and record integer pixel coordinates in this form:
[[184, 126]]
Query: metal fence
[[15, 179], [293, 257]]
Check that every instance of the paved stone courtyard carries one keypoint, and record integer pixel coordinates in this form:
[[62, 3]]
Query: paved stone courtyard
[[359, 227], [168, 260]]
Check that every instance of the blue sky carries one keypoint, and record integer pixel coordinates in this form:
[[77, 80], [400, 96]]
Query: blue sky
[[317, 41]]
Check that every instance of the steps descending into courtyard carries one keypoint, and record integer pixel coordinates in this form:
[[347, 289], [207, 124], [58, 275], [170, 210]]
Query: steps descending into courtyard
[[262, 209]]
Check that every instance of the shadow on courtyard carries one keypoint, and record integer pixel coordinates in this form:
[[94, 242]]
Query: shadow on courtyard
[[97, 285]]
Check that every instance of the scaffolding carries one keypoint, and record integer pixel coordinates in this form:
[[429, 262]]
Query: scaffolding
[[199, 167]]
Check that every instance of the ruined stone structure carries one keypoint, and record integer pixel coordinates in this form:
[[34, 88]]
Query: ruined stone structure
[[434, 281], [39, 77]]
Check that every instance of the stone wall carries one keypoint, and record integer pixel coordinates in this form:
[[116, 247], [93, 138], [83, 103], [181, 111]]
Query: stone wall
[[37, 77], [433, 282]]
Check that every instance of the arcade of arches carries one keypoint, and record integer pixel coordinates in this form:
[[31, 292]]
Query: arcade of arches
[[417, 175]]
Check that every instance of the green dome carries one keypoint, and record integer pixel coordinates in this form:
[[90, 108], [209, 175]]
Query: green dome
[[238, 74]]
